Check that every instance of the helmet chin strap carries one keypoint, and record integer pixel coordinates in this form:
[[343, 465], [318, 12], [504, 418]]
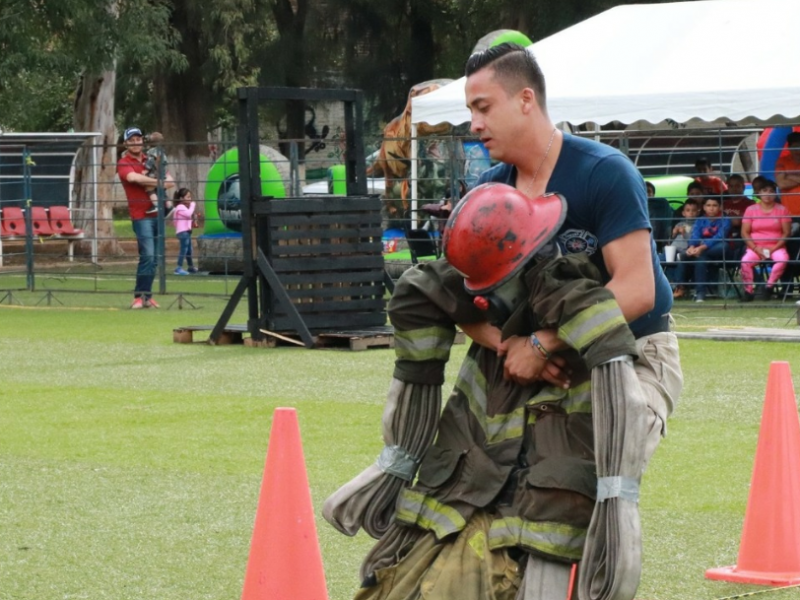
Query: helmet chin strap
[[501, 303]]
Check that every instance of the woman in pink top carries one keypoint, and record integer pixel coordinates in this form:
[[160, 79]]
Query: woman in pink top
[[765, 227], [182, 216]]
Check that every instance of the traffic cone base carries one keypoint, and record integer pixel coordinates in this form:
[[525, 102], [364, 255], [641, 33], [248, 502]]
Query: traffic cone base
[[769, 552], [734, 575], [285, 559]]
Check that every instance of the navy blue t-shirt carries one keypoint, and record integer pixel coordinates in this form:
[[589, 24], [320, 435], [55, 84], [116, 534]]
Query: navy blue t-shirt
[[606, 199]]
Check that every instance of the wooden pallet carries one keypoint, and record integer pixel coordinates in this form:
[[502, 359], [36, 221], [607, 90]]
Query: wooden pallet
[[355, 340], [233, 334]]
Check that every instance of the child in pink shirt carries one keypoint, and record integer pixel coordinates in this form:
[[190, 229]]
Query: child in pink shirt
[[182, 217], [765, 227]]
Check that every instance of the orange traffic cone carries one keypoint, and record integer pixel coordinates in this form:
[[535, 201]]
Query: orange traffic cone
[[769, 553], [285, 559]]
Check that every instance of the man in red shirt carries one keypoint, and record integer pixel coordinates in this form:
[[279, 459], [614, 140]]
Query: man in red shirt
[[787, 174], [712, 185], [131, 169]]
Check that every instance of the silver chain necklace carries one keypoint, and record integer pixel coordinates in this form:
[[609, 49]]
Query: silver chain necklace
[[529, 187]]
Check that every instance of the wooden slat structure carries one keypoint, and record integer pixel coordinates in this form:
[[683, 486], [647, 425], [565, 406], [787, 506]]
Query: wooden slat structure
[[327, 253], [312, 263]]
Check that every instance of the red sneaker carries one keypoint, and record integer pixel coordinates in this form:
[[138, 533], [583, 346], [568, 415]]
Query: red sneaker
[[137, 303], [150, 303]]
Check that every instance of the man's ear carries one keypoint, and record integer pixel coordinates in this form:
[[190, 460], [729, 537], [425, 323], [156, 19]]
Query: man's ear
[[528, 99]]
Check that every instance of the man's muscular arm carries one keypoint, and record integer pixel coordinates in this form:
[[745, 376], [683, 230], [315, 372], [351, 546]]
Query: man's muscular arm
[[628, 261]]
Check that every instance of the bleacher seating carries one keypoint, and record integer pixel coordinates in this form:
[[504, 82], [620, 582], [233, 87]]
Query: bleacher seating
[[40, 222], [61, 222], [12, 222], [53, 223]]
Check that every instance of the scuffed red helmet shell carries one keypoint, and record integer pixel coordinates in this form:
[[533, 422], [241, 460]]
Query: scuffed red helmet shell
[[494, 231]]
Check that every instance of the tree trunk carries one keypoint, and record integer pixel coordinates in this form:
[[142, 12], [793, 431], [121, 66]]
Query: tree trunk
[[184, 110], [184, 105], [94, 111]]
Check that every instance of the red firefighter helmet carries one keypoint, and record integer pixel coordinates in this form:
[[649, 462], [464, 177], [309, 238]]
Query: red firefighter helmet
[[495, 230]]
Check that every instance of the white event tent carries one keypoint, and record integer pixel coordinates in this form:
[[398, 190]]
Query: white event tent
[[707, 60]]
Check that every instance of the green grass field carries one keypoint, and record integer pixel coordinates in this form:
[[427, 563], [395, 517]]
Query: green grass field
[[130, 466]]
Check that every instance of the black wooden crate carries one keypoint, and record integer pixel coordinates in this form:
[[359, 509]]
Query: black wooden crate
[[327, 253]]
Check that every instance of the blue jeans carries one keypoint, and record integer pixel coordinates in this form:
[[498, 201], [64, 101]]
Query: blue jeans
[[146, 231], [185, 238], [715, 254]]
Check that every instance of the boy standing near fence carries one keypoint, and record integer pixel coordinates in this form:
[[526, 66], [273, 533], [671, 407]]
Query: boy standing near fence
[[184, 218]]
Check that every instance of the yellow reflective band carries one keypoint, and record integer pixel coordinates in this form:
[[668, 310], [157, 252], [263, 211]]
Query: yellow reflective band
[[573, 400], [472, 383], [554, 539], [414, 508], [591, 323], [418, 345], [504, 427], [478, 544], [579, 399]]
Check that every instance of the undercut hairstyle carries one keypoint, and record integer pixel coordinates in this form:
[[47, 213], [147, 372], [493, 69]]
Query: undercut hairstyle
[[513, 66], [793, 138]]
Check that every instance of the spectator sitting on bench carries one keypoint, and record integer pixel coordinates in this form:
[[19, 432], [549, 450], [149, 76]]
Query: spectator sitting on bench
[[734, 204], [681, 234], [765, 227], [707, 245]]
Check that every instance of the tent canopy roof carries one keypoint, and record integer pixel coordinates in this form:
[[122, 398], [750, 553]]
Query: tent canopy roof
[[707, 59]]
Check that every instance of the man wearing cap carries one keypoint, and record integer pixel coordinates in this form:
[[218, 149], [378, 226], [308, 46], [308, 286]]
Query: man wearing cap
[[131, 170]]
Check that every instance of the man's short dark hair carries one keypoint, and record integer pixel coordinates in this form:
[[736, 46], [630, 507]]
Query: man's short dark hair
[[735, 176], [514, 66], [793, 138], [650, 186]]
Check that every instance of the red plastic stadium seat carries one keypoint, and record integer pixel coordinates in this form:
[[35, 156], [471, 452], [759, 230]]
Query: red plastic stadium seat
[[61, 222], [41, 226], [13, 222]]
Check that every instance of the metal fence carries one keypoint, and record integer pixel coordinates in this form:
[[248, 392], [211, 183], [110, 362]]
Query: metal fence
[[40, 175]]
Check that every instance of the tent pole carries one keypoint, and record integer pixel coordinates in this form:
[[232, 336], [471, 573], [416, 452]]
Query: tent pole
[[414, 170]]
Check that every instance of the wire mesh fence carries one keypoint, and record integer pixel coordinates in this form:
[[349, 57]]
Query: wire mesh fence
[[66, 227]]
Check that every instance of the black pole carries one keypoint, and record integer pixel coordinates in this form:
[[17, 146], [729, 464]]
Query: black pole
[[27, 162], [160, 226]]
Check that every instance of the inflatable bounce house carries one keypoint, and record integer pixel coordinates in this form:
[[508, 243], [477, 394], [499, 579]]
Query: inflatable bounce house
[[220, 247], [771, 146]]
